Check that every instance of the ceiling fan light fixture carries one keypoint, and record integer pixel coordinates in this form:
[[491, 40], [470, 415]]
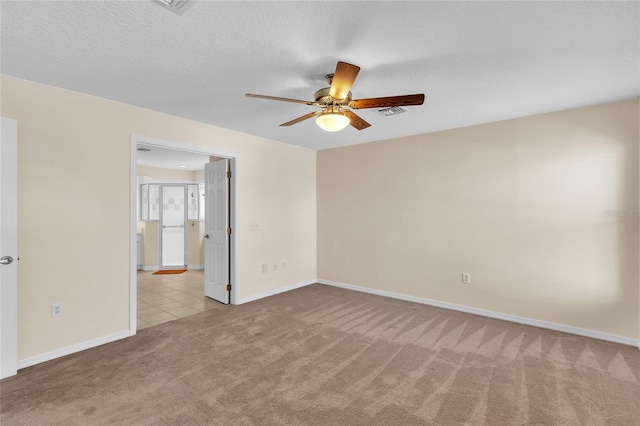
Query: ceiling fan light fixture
[[332, 121]]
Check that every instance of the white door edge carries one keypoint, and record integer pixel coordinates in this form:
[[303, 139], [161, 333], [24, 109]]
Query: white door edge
[[9, 247]]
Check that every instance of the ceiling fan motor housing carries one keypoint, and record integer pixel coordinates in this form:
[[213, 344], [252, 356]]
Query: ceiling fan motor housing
[[324, 97]]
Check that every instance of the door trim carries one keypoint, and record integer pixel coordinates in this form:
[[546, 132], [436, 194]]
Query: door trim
[[234, 162]]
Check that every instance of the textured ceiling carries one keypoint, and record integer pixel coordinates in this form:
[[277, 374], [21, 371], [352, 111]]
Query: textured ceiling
[[475, 61]]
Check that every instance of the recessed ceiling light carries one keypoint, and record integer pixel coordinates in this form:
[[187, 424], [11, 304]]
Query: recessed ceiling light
[[182, 166]]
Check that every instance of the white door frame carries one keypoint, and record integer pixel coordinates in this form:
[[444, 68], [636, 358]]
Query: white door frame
[[234, 160]]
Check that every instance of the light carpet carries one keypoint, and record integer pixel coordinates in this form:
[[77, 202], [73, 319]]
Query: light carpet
[[326, 356]]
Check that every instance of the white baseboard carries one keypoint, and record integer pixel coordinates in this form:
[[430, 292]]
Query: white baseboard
[[149, 268], [194, 267], [48, 356], [491, 314], [37, 359], [276, 291]]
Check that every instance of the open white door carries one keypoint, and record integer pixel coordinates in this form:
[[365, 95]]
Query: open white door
[[217, 231], [8, 247]]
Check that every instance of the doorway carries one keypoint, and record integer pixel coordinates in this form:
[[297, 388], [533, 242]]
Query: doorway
[[173, 228]]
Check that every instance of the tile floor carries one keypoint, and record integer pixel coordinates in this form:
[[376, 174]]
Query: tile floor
[[163, 298]]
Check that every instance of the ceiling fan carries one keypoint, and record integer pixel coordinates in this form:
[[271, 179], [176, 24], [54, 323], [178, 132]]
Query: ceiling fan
[[335, 100]]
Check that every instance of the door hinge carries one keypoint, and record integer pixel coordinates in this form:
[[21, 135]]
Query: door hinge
[[228, 287], [228, 231], [228, 174]]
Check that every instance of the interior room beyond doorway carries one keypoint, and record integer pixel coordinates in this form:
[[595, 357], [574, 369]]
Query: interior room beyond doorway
[[167, 297]]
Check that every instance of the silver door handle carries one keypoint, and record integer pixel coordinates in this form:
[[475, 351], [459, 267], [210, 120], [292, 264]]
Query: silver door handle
[[206, 236], [6, 260], [174, 226]]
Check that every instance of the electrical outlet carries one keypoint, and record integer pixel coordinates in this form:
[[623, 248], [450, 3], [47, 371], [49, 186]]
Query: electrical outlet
[[275, 266], [265, 268], [284, 265], [253, 226], [466, 278], [56, 310]]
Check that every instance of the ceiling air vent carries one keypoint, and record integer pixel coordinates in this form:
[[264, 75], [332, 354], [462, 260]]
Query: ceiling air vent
[[177, 6], [391, 111], [144, 150]]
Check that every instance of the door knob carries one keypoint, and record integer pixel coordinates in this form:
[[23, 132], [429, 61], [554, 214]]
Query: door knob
[[206, 236], [6, 260]]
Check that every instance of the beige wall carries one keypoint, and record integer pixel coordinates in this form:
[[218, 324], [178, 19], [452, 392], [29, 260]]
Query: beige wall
[[171, 174], [195, 229], [195, 243], [151, 242], [518, 204], [73, 201]]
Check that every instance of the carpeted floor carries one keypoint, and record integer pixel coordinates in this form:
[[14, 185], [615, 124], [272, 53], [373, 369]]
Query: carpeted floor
[[326, 356]]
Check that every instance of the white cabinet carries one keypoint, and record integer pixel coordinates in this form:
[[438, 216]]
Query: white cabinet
[[140, 251]]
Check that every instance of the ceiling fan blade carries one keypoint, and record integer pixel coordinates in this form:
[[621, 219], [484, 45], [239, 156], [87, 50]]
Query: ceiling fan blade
[[275, 98], [356, 121], [299, 119], [390, 101], [343, 79]]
